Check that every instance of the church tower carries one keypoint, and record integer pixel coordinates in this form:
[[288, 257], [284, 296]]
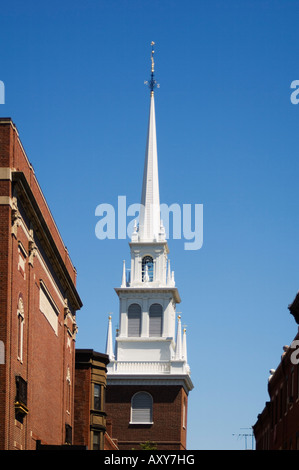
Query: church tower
[[148, 379]]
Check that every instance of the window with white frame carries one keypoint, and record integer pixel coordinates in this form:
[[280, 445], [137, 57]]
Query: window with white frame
[[142, 408]]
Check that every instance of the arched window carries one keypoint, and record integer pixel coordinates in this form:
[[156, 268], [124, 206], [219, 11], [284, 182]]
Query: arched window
[[155, 320], [147, 269], [142, 408], [20, 313], [134, 320], [68, 390]]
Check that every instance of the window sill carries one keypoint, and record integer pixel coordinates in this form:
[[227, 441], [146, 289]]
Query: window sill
[[143, 423]]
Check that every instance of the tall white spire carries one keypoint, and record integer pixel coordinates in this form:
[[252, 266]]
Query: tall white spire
[[149, 220]]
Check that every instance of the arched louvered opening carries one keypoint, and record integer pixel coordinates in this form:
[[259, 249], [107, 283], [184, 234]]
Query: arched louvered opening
[[155, 320], [147, 269], [134, 320], [142, 408]]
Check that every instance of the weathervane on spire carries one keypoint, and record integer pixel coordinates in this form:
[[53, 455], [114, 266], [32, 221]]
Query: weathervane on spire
[[152, 83], [152, 57]]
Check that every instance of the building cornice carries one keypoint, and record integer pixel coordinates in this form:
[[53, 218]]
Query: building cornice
[[142, 243], [157, 380], [149, 290], [41, 228]]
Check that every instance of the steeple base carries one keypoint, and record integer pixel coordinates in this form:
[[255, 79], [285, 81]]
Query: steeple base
[[163, 425]]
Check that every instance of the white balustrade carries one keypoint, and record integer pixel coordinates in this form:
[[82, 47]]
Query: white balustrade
[[146, 367]]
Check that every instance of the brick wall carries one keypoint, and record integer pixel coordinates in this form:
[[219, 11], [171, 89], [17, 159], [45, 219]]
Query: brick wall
[[89, 420], [277, 426], [33, 258], [167, 429], [5, 282], [82, 406]]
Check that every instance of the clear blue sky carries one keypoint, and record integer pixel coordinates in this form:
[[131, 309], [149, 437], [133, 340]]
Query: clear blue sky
[[227, 138]]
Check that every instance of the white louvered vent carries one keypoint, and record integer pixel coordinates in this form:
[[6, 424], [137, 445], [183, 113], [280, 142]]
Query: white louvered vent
[[134, 320], [155, 320], [142, 408]]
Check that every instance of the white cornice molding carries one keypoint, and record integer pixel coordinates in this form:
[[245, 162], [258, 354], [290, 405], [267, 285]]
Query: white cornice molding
[[146, 290], [181, 380]]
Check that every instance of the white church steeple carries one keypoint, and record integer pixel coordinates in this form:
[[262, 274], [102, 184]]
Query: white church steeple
[[147, 343]]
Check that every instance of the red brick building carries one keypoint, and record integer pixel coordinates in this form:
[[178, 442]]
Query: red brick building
[[277, 426], [38, 304], [90, 429]]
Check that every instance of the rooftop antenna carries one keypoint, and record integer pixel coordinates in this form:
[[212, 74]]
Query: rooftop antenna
[[246, 435]]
